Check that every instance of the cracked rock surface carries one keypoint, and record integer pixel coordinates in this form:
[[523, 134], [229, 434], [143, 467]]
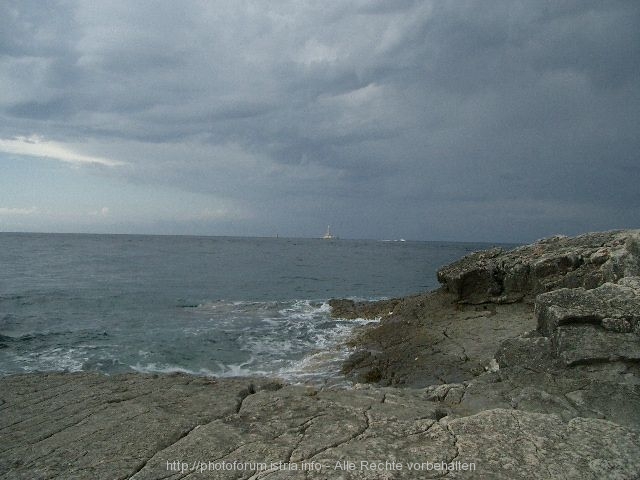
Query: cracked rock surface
[[171, 427], [96, 426]]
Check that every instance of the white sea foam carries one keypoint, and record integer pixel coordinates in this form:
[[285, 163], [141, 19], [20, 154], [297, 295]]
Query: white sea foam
[[244, 369], [296, 340], [165, 368], [52, 359], [324, 345]]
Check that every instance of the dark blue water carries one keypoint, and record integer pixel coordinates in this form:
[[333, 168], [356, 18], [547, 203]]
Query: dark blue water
[[208, 305]]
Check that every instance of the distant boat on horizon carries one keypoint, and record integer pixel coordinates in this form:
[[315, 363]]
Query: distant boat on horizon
[[327, 235]]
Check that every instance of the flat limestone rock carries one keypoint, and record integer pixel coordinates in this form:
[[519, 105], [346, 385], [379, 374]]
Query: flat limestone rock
[[96, 426], [429, 339], [513, 444], [91, 426]]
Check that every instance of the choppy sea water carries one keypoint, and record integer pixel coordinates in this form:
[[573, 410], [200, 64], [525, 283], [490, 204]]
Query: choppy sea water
[[204, 305]]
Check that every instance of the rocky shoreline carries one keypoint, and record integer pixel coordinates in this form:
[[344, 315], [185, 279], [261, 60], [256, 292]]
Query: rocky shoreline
[[524, 364]]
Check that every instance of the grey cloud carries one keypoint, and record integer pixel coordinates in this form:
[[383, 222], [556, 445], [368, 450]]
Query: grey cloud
[[400, 109], [39, 110]]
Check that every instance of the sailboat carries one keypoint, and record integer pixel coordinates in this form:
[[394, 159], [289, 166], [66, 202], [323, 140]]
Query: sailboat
[[328, 236]]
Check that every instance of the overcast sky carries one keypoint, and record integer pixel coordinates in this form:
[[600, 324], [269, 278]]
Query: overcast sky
[[426, 120]]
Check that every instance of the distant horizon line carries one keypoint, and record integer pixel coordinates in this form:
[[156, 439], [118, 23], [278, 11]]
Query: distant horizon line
[[275, 236]]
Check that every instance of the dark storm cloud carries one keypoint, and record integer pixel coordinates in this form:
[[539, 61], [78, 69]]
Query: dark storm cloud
[[496, 120]]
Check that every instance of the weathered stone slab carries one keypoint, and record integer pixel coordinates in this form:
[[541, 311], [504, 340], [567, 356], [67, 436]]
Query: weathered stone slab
[[583, 344], [430, 339], [97, 426], [614, 306], [536, 446], [531, 350], [171, 427]]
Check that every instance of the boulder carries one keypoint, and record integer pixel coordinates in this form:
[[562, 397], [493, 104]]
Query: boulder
[[589, 326], [584, 344], [615, 307], [588, 261]]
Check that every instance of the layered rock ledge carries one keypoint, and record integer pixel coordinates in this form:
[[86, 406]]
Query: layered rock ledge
[[551, 328], [576, 300], [499, 276], [525, 364]]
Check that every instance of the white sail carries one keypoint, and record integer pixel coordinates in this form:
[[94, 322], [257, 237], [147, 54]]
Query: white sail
[[328, 236]]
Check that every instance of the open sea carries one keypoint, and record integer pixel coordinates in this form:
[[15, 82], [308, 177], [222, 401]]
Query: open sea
[[217, 306]]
